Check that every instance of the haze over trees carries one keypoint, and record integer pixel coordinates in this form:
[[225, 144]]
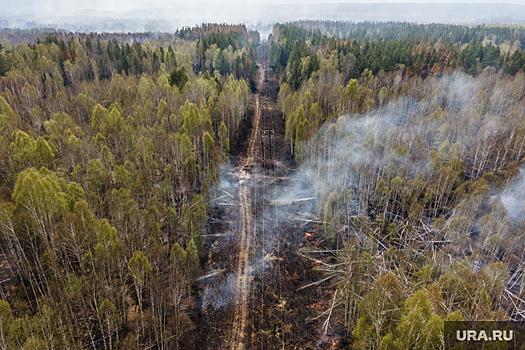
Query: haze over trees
[[410, 145]]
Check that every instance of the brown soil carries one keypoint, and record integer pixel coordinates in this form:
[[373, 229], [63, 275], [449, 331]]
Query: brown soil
[[256, 302]]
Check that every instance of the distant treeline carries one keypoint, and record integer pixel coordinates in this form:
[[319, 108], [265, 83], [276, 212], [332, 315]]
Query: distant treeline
[[35, 35], [208, 29], [397, 30]]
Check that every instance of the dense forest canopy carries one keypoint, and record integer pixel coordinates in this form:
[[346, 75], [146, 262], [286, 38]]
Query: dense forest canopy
[[110, 146], [296, 50]]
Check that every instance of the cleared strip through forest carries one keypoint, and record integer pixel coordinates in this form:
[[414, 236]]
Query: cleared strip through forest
[[246, 232]]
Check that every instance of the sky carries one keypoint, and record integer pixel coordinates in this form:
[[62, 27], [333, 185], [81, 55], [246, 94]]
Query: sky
[[163, 15], [116, 5], [141, 3]]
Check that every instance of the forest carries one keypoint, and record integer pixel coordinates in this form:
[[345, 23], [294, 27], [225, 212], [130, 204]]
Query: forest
[[115, 148], [108, 170], [414, 149], [422, 50]]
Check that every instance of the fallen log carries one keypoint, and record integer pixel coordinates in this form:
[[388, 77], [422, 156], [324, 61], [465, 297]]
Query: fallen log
[[281, 202]]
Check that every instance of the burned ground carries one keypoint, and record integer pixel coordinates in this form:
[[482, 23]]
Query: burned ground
[[277, 300]]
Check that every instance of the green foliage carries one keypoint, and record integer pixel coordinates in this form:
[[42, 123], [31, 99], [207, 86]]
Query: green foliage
[[6, 318], [209, 149], [191, 117], [192, 259], [38, 194], [140, 269], [29, 152], [178, 257], [178, 77], [419, 328], [139, 266], [224, 140], [74, 194]]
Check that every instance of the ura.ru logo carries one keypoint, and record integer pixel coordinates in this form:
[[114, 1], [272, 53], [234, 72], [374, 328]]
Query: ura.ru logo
[[495, 335]]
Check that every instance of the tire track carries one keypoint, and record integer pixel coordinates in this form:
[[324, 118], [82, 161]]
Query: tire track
[[247, 232]]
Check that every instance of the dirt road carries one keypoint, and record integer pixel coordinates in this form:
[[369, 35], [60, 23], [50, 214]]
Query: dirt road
[[256, 304], [246, 231]]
